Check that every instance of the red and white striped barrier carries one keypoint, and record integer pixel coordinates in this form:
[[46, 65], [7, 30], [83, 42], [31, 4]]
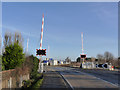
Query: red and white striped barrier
[[42, 32], [41, 64]]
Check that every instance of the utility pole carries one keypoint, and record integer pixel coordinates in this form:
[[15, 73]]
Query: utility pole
[[27, 46], [48, 51]]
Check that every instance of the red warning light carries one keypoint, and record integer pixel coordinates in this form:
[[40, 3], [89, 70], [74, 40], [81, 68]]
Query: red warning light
[[41, 52]]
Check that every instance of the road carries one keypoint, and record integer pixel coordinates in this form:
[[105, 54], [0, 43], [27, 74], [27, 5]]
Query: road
[[85, 78]]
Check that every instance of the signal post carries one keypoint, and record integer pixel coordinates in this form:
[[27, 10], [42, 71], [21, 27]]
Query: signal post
[[41, 51]]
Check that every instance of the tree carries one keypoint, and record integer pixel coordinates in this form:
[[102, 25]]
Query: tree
[[1, 50], [13, 56], [78, 59], [100, 58], [118, 62], [32, 62], [68, 60], [0, 42], [108, 57], [92, 59], [18, 38], [7, 39]]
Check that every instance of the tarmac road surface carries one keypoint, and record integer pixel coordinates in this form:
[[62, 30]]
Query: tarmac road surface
[[85, 78]]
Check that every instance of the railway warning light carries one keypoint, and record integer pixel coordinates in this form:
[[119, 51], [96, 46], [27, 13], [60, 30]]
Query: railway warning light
[[83, 55], [41, 52]]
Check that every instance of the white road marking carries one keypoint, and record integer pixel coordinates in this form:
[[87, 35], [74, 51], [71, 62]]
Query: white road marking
[[67, 81], [86, 74], [99, 78]]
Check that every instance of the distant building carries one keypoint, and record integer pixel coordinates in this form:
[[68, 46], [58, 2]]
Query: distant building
[[60, 62], [64, 62], [89, 65], [67, 60], [88, 59], [54, 62]]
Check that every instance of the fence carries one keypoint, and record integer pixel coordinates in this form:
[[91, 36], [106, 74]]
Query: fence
[[89, 65], [12, 78]]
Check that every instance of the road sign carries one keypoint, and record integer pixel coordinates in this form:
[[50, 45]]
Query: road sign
[[41, 52], [83, 55]]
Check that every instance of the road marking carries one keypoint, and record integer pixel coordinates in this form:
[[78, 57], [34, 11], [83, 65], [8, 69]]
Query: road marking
[[98, 78], [67, 81], [89, 75]]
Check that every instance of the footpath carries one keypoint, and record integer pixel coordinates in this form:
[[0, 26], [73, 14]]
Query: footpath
[[53, 80]]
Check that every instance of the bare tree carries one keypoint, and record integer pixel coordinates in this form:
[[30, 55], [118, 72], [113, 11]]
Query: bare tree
[[100, 58], [7, 39], [108, 57], [92, 59], [115, 62], [18, 38], [118, 62], [68, 60]]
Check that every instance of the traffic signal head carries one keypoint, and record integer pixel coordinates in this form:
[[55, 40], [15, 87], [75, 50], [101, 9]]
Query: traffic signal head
[[41, 52]]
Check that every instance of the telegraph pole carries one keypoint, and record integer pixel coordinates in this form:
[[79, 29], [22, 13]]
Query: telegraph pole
[[27, 46], [48, 51]]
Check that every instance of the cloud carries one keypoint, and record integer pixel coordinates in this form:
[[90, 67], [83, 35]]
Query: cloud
[[8, 28], [109, 11]]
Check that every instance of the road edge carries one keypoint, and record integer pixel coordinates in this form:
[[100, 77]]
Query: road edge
[[66, 81]]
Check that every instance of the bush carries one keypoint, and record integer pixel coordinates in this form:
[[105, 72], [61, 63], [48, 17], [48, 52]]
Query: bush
[[34, 62], [13, 56], [33, 82], [26, 83], [38, 83]]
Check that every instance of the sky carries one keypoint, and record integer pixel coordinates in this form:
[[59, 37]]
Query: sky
[[63, 24]]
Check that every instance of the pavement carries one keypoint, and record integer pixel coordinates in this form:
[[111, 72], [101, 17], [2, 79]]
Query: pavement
[[53, 80]]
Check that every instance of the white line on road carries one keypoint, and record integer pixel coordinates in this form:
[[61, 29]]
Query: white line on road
[[89, 75], [98, 78], [67, 81]]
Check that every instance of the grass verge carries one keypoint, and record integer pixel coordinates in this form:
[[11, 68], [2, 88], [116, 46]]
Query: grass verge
[[38, 83], [34, 82]]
